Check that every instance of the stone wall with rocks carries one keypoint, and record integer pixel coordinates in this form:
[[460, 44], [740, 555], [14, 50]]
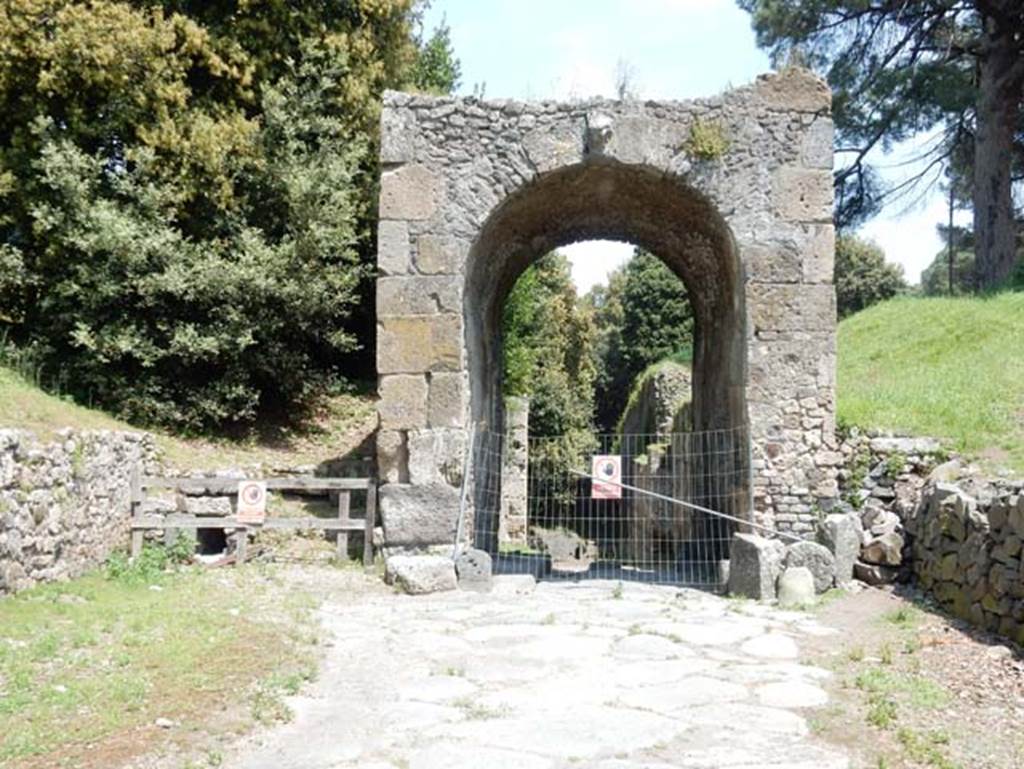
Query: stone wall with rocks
[[881, 481], [65, 502], [472, 192], [965, 547], [660, 401]]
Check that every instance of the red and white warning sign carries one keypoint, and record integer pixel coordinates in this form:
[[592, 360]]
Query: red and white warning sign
[[607, 475], [252, 501]]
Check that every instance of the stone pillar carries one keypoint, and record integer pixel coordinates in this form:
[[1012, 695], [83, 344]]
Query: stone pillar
[[515, 460]]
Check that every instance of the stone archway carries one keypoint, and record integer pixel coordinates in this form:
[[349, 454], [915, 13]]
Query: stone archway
[[472, 192]]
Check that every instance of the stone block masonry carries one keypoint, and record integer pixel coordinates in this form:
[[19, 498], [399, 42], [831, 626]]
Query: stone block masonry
[[65, 502], [472, 192]]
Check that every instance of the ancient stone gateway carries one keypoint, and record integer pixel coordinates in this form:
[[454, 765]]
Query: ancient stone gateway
[[733, 193]]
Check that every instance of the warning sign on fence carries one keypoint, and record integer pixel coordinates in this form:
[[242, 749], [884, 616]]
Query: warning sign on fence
[[607, 475], [252, 501]]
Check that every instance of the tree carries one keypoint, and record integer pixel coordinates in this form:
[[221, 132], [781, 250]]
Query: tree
[[642, 318], [899, 68], [935, 278], [548, 341], [186, 196], [862, 276], [437, 70]]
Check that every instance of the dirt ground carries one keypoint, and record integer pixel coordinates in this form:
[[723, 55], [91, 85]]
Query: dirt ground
[[915, 688]]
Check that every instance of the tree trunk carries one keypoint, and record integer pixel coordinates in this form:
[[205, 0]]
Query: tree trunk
[[999, 99]]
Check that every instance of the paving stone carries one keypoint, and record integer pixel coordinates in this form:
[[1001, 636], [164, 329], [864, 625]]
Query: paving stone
[[791, 694], [771, 646], [449, 755], [669, 699], [644, 646]]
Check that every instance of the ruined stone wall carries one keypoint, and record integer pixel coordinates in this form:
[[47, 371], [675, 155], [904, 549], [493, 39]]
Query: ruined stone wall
[[64, 503], [966, 551], [472, 192], [515, 465]]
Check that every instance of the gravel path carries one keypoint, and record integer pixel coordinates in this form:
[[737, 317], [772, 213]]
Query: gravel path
[[554, 676]]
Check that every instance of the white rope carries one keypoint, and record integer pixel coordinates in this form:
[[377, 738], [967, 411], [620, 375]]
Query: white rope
[[690, 505]]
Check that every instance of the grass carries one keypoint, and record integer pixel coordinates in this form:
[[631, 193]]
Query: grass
[[87, 667], [945, 367], [342, 423]]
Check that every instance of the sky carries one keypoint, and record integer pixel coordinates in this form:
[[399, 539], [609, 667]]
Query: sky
[[672, 49]]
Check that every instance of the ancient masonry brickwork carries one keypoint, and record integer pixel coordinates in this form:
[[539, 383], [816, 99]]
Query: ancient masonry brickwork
[[64, 503], [473, 191]]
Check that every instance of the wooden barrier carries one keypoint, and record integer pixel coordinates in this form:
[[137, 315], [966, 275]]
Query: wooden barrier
[[171, 522]]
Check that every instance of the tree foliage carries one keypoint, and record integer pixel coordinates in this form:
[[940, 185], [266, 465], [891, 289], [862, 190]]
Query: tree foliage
[[862, 276], [898, 69], [549, 353], [643, 317], [186, 190]]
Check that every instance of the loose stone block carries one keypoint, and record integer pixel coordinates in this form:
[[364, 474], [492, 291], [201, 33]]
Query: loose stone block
[[419, 344], [803, 195], [418, 295], [410, 192], [420, 574], [393, 252], [841, 535], [474, 570], [817, 559], [885, 550], [212, 506], [419, 515], [796, 587], [403, 402], [754, 565]]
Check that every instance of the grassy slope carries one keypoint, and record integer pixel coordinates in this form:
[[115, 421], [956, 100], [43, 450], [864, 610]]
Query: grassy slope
[[346, 421], [951, 368]]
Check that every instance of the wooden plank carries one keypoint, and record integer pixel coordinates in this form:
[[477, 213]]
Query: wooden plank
[[138, 497], [217, 486], [344, 505], [369, 524], [185, 521]]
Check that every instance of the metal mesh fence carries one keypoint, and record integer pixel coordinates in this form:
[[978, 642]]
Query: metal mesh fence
[[535, 505]]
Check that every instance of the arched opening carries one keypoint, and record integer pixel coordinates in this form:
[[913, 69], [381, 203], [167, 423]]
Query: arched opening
[[610, 200]]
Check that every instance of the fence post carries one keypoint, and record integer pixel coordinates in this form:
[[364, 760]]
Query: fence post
[[137, 499], [371, 522], [344, 508]]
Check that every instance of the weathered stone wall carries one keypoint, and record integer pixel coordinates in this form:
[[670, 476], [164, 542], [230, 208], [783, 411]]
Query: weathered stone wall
[[64, 503], [662, 393], [472, 192], [515, 465], [966, 551]]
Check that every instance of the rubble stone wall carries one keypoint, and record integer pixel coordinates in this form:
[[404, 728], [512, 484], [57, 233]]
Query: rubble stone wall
[[65, 503], [966, 551]]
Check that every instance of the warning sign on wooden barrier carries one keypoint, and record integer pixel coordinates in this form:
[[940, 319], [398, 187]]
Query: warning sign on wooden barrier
[[252, 501], [607, 475]]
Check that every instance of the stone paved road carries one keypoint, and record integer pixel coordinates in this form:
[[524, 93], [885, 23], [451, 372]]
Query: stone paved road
[[563, 675]]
